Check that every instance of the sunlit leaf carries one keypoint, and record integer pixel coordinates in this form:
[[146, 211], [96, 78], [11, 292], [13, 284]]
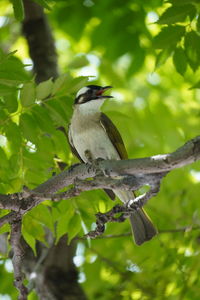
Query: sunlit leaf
[[12, 70], [60, 83], [176, 14], [169, 36], [31, 241], [65, 216], [74, 227], [18, 9], [162, 57]]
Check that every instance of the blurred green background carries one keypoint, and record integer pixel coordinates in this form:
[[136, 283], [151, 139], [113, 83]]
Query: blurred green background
[[149, 51]]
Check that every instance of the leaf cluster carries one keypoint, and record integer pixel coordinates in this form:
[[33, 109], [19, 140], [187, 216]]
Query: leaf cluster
[[180, 36]]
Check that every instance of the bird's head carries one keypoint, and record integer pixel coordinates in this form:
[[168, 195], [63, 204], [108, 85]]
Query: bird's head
[[91, 97]]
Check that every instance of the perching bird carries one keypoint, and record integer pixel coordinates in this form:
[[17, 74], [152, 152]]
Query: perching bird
[[92, 135]]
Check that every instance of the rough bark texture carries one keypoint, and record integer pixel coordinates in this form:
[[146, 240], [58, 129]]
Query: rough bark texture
[[40, 41], [53, 273]]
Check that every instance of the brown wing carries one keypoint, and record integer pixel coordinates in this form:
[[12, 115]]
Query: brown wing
[[116, 140], [114, 136]]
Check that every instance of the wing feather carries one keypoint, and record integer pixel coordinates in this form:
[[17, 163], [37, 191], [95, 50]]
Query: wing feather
[[114, 136]]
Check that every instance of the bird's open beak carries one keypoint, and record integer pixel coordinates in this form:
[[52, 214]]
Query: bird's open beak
[[102, 91]]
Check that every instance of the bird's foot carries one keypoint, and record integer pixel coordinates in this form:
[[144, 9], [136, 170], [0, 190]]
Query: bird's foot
[[94, 164]]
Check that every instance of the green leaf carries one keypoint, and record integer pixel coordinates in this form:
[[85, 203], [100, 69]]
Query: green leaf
[[183, 2], [170, 35], [43, 119], [162, 57], [27, 94], [66, 213], [4, 166], [78, 62], [10, 100], [14, 144], [61, 145], [77, 83], [74, 227], [44, 89], [60, 83], [31, 241], [29, 128], [192, 49], [5, 228], [176, 14], [33, 227], [195, 86], [42, 215], [12, 70], [7, 90], [18, 9], [179, 60], [56, 112]]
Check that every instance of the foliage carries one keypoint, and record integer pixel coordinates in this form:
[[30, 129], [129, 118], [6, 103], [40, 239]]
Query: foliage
[[152, 67]]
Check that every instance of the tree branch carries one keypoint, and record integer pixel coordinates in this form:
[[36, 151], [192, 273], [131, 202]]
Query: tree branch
[[183, 229], [140, 167], [135, 173], [18, 252]]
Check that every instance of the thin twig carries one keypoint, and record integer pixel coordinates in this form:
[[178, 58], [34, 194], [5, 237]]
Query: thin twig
[[103, 218], [161, 231]]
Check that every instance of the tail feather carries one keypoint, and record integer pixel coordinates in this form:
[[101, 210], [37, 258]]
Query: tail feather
[[142, 227]]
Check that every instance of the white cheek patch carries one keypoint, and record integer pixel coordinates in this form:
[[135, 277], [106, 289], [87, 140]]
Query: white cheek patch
[[82, 91], [81, 99]]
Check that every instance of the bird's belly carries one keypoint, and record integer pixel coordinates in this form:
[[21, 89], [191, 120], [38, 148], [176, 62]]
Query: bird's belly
[[95, 143]]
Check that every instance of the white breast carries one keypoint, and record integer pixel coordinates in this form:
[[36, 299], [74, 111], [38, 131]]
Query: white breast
[[91, 136]]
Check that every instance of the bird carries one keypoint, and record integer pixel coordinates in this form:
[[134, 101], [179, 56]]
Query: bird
[[92, 136]]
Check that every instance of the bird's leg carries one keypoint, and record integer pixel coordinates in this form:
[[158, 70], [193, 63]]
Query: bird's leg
[[94, 163]]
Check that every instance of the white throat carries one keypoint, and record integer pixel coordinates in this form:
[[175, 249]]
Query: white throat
[[90, 107]]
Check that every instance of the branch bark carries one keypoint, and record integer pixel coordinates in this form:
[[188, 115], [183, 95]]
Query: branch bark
[[17, 259], [135, 173], [40, 41]]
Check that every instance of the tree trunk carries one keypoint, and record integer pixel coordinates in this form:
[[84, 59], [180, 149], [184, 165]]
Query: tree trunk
[[52, 271]]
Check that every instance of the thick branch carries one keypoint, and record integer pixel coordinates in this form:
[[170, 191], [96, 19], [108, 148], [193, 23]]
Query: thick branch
[[187, 154], [148, 170]]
